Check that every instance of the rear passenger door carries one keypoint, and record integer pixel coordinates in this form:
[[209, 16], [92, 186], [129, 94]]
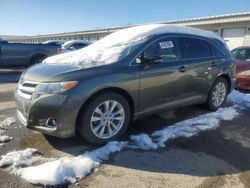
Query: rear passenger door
[[203, 61]]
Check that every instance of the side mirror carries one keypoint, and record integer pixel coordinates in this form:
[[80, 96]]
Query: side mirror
[[152, 58]]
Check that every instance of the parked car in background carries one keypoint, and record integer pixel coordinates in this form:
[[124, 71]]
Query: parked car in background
[[73, 45], [24, 55], [54, 42], [242, 63], [130, 74]]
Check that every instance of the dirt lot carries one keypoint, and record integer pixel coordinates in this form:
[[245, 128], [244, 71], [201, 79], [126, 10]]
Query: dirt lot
[[214, 158]]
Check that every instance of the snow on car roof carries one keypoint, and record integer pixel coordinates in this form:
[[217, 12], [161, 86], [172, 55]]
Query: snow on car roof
[[104, 51], [51, 41]]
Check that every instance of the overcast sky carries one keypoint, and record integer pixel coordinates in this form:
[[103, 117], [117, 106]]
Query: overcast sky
[[32, 17]]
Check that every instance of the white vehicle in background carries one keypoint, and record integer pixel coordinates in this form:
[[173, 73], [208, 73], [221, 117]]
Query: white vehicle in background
[[54, 42], [74, 45]]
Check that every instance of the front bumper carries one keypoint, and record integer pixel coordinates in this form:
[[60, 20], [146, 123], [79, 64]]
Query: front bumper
[[243, 82], [35, 113]]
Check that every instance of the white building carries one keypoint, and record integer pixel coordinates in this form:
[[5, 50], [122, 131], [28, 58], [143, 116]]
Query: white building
[[234, 28]]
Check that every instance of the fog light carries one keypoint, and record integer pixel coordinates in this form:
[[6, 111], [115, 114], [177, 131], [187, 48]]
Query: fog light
[[51, 123]]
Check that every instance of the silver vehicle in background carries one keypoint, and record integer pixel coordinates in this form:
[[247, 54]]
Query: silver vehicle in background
[[74, 45]]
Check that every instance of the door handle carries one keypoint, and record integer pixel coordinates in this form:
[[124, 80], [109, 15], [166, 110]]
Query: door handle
[[182, 69]]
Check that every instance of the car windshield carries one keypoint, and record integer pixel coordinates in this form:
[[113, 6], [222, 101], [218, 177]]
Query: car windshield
[[110, 54], [99, 52]]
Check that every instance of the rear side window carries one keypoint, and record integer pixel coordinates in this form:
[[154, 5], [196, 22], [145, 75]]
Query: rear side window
[[78, 46], [196, 48], [215, 52]]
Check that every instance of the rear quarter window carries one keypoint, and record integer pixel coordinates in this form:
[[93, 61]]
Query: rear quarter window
[[215, 52], [196, 48]]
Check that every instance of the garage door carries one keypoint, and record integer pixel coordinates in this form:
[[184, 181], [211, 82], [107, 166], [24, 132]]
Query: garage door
[[234, 37]]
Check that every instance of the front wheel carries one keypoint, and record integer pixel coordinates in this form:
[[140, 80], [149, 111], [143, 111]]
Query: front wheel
[[217, 94], [105, 118]]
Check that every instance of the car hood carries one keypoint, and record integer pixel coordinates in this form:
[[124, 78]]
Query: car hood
[[48, 72]]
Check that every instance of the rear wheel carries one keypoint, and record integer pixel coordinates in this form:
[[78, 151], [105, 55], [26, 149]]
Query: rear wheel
[[105, 118], [218, 93]]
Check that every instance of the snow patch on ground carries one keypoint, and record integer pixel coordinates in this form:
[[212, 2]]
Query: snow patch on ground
[[4, 124], [186, 128], [142, 141], [69, 169], [5, 138], [7, 122], [21, 158], [240, 99]]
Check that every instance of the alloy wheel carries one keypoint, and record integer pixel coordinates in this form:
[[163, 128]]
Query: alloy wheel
[[107, 119], [219, 94]]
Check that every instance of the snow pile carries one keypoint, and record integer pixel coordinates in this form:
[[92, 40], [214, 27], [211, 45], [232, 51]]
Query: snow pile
[[4, 124], [19, 158], [69, 169], [111, 48], [5, 138], [195, 125], [240, 99], [142, 141], [7, 122], [186, 128]]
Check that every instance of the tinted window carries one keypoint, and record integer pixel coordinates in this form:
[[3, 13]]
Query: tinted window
[[77, 46], [196, 48], [241, 54], [215, 52], [167, 49]]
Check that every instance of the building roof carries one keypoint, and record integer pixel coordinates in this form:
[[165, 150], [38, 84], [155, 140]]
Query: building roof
[[243, 16], [226, 18]]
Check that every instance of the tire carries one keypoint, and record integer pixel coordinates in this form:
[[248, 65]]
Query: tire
[[37, 59], [219, 88], [95, 116]]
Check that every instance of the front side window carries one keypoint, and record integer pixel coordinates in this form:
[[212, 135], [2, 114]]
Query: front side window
[[196, 48], [167, 49]]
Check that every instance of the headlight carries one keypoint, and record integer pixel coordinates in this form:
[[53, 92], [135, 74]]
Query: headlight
[[245, 73], [52, 88]]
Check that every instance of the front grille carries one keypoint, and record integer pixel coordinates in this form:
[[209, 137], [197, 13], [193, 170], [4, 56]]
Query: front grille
[[26, 89]]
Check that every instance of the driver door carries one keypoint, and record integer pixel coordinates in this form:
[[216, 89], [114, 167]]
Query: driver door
[[164, 82]]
